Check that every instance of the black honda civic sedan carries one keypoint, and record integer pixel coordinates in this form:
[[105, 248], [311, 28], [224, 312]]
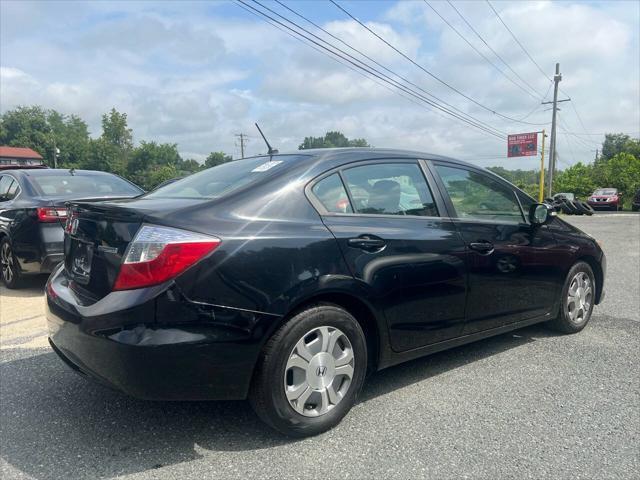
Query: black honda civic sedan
[[287, 278], [33, 213]]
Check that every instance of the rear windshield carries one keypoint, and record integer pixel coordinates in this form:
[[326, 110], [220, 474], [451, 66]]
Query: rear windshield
[[605, 191], [221, 180], [66, 185]]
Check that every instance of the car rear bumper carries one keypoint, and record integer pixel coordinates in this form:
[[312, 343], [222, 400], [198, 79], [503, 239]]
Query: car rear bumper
[[127, 349]]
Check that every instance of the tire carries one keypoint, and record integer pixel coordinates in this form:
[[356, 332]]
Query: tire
[[279, 370], [573, 317], [584, 207], [567, 207], [9, 266]]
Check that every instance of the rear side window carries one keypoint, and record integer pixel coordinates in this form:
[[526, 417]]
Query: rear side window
[[5, 183], [221, 180], [476, 195], [67, 185], [13, 190], [331, 193], [390, 189]]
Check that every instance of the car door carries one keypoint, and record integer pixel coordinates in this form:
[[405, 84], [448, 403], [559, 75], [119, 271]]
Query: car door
[[513, 272], [387, 224]]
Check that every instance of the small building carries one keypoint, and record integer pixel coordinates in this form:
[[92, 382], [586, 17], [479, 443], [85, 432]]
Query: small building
[[16, 157]]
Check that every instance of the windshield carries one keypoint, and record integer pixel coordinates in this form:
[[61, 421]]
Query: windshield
[[605, 191], [221, 180], [66, 185]]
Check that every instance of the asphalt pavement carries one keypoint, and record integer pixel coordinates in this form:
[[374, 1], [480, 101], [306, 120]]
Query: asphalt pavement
[[528, 404]]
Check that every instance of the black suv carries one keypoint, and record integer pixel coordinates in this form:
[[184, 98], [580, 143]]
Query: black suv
[[635, 203], [287, 278]]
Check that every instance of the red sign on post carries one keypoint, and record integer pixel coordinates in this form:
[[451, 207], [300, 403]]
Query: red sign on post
[[522, 145]]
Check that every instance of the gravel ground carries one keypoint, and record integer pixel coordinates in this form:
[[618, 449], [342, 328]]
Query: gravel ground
[[529, 404]]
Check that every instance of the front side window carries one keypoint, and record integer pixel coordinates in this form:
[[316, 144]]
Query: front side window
[[476, 195], [331, 193], [390, 189]]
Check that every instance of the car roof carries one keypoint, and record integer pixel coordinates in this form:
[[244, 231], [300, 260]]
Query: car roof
[[331, 157], [43, 172]]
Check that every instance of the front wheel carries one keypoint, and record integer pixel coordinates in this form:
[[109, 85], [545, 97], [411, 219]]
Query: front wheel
[[578, 298], [310, 372]]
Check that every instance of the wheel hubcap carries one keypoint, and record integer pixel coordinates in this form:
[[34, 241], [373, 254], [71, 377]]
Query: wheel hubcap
[[6, 259], [319, 371], [579, 298]]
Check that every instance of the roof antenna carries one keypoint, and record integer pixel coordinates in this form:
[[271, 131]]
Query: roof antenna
[[271, 150]]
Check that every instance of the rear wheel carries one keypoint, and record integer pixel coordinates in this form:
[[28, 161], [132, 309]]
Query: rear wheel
[[310, 372], [10, 268], [578, 298]]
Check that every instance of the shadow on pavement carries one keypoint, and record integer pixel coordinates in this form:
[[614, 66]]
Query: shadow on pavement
[[54, 422], [32, 286]]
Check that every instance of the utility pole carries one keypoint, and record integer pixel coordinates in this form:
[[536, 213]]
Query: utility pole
[[541, 188], [243, 140], [553, 155]]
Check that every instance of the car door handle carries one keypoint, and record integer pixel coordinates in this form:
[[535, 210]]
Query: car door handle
[[367, 242], [483, 247]]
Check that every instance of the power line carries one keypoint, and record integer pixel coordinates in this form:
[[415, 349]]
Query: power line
[[518, 42], [422, 67], [359, 72], [535, 63], [537, 107], [492, 50], [478, 51], [370, 70], [371, 59]]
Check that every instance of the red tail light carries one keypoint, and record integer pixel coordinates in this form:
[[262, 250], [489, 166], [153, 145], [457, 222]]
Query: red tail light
[[51, 214], [158, 254]]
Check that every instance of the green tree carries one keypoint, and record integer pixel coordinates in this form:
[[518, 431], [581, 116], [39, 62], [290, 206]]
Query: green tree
[[189, 166], [332, 140], [613, 144], [116, 131], [43, 130], [578, 179], [216, 158], [150, 157], [103, 156], [27, 127], [159, 175], [621, 172]]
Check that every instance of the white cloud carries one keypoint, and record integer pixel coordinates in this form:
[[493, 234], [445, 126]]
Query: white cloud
[[196, 74]]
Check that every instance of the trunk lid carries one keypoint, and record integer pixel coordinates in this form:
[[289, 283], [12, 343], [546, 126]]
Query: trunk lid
[[96, 237]]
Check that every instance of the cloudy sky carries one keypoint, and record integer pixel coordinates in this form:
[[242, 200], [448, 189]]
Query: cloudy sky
[[196, 74]]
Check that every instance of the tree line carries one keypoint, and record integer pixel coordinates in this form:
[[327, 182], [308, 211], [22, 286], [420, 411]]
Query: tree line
[[150, 163], [146, 164]]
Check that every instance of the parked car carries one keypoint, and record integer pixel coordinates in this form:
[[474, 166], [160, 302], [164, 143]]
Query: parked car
[[32, 214], [287, 278], [565, 196], [608, 198], [635, 203]]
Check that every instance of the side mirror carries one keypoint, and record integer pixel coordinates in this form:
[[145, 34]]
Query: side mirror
[[540, 213]]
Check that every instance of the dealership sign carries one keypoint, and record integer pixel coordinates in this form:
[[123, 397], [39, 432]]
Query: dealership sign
[[522, 145]]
